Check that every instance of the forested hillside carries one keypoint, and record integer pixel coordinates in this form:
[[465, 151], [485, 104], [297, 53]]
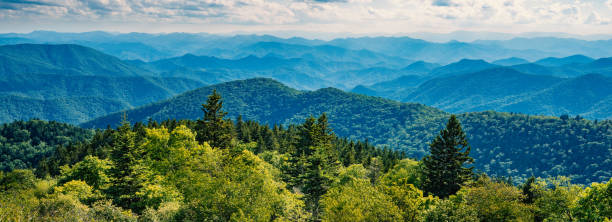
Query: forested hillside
[[507, 90], [61, 59], [72, 83], [219, 170], [24, 144], [408, 127]]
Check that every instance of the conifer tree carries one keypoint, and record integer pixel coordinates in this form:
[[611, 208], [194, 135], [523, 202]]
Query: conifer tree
[[315, 161], [126, 173], [213, 129], [443, 169], [528, 191]]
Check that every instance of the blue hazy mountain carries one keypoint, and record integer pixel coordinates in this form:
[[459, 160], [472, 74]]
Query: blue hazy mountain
[[72, 83], [434, 52], [143, 46], [420, 68], [570, 60], [561, 47], [317, 52], [61, 59], [460, 67], [382, 65], [395, 89], [510, 61], [505, 89], [296, 72]]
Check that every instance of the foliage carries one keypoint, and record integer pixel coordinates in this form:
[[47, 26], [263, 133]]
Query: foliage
[[23, 144], [91, 170], [447, 210], [353, 198], [494, 201], [556, 199], [596, 204], [159, 171], [400, 185]]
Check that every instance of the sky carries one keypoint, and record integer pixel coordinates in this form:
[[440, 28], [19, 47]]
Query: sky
[[583, 17]]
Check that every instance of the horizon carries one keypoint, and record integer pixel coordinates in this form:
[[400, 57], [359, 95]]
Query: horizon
[[436, 37], [316, 18]]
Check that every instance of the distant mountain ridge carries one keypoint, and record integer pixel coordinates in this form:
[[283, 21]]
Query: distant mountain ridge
[[61, 59], [531, 88], [72, 83], [150, 47]]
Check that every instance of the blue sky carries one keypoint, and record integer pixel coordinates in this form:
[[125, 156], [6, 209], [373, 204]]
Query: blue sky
[[350, 16]]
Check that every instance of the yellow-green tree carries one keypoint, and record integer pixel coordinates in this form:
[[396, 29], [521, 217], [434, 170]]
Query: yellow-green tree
[[354, 198], [399, 185], [596, 204], [91, 170], [556, 199], [494, 201], [216, 183], [447, 210]]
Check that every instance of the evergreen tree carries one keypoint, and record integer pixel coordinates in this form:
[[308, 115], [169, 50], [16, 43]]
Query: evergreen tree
[[527, 190], [213, 129], [126, 172], [317, 163], [443, 169]]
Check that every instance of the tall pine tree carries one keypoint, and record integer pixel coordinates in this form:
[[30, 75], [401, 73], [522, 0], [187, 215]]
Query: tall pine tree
[[443, 169], [127, 175], [314, 161], [215, 130]]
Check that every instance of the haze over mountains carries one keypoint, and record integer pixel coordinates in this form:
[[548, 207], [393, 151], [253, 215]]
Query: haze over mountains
[[73, 83], [149, 47], [453, 76]]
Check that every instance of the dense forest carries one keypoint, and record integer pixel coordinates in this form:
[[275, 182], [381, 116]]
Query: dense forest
[[504, 144], [217, 169], [24, 144]]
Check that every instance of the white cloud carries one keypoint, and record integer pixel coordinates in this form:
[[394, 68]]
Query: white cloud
[[352, 15]]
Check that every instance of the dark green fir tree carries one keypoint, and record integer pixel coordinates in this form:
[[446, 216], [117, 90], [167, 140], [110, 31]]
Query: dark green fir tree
[[444, 169], [213, 128]]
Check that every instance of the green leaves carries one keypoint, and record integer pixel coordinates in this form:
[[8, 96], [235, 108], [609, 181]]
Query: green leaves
[[596, 204]]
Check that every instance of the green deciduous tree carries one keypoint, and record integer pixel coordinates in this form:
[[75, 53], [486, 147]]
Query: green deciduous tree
[[596, 204], [91, 170], [399, 185], [556, 198], [354, 198], [447, 211], [494, 201]]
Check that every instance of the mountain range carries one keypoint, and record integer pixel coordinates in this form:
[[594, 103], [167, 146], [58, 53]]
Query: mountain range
[[575, 85], [50, 76], [150, 47], [72, 83]]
